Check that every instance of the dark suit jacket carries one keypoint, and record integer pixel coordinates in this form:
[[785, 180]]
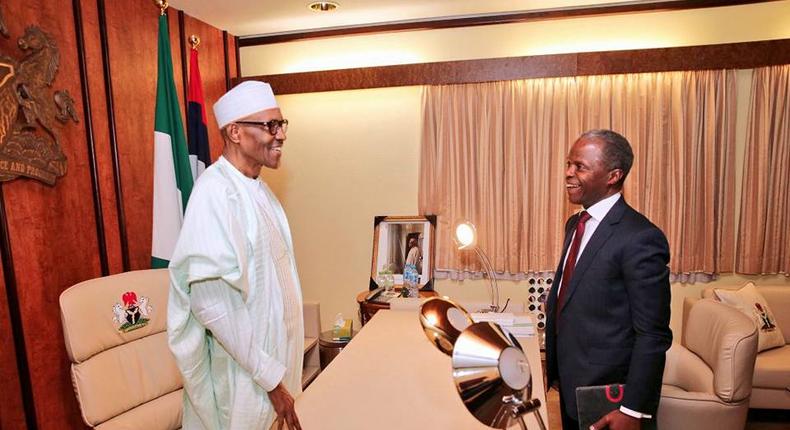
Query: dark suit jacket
[[614, 324]]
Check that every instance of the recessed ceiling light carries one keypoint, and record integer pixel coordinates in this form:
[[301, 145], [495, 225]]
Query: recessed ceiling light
[[323, 6]]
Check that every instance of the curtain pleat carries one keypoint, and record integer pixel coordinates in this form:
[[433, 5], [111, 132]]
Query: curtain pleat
[[763, 233], [494, 154]]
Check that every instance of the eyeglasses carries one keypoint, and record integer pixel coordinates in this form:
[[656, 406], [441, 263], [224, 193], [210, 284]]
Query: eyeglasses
[[272, 126]]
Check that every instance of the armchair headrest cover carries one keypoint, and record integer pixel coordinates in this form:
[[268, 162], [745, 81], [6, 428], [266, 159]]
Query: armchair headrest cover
[[102, 313]]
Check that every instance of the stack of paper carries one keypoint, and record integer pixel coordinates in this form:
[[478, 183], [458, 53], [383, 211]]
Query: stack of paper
[[522, 326], [519, 326], [503, 319]]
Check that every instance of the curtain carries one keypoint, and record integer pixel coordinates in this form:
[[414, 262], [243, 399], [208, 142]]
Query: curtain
[[681, 126], [763, 234], [482, 160], [494, 154]]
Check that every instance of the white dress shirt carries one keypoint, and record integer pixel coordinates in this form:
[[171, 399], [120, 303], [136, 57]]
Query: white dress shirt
[[597, 212]]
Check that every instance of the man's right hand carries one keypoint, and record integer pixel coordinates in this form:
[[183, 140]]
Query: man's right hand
[[284, 407]]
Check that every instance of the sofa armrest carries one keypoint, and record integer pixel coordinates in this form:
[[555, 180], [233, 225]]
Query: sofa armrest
[[686, 370], [312, 319], [688, 303]]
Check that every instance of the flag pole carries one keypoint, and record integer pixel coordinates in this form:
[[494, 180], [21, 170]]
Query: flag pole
[[173, 177]]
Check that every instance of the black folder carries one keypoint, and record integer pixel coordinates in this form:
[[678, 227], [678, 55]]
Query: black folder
[[596, 401]]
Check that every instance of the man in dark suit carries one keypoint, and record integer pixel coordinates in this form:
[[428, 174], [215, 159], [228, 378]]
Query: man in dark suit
[[608, 314]]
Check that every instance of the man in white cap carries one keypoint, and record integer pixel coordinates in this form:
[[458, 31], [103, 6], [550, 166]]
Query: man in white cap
[[235, 309]]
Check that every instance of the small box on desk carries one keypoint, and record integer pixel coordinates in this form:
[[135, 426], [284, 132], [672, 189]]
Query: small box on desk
[[343, 332]]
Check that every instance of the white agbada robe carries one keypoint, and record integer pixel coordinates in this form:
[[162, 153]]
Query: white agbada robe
[[235, 310]]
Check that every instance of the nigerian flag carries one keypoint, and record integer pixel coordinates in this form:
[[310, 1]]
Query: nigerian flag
[[172, 174]]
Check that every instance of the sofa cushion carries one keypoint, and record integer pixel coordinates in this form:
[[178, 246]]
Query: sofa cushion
[[772, 369], [749, 301], [778, 297]]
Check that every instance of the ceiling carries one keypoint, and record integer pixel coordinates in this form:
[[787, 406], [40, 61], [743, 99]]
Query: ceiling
[[269, 17]]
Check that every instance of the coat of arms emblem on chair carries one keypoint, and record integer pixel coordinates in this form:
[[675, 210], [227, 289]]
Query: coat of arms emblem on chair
[[132, 313]]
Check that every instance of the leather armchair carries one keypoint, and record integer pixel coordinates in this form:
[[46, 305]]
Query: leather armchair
[[122, 370], [123, 373], [708, 378]]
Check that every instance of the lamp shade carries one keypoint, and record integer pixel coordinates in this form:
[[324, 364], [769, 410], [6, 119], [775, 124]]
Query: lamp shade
[[490, 367], [465, 235], [443, 321]]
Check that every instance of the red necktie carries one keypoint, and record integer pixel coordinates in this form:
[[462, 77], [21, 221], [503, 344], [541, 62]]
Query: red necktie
[[570, 262]]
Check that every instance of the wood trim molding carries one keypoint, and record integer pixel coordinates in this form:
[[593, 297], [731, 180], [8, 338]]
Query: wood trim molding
[[226, 59], [744, 55], [536, 15], [182, 37], [90, 139], [238, 56], [116, 162]]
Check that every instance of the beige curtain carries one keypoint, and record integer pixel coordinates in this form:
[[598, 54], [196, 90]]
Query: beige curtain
[[488, 157], [763, 233], [681, 126], [494, 154]]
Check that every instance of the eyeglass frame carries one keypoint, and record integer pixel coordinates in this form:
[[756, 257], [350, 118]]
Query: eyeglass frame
[[278, 124]]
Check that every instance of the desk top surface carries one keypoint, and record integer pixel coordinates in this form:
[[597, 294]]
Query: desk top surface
[[391, 377]]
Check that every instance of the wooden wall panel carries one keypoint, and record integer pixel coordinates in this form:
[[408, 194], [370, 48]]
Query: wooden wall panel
[[178, 64], [233, 59], [51, 229], [101, 134], [743, 55], [12, 415], [132, 35], [212, 71]]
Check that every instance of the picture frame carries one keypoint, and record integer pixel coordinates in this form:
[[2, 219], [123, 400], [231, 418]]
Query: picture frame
[[393, 240]]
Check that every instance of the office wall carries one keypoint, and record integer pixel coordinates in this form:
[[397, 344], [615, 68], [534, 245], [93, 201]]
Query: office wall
[[352, 155], [51, 235]]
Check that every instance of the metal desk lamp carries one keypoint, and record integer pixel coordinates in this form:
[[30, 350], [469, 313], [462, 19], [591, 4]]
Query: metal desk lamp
[[491, 372], [443, 321], [466, 238]]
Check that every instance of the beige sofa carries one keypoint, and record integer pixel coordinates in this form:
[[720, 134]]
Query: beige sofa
[[771, 382], [707, 378], [123, 373]]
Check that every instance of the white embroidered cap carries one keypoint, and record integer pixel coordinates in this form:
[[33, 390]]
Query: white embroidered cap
[[242, 100]]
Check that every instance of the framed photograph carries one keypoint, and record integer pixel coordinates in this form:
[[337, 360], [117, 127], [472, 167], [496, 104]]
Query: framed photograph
[[401, 240]]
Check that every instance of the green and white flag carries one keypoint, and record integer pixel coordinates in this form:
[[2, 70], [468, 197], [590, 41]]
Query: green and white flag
[[172, 174]]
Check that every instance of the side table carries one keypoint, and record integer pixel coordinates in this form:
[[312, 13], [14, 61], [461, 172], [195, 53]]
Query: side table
[[368, 308], [329, 347]]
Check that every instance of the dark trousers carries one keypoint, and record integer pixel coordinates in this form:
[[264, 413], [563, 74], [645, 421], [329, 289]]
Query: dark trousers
[[568, 422]]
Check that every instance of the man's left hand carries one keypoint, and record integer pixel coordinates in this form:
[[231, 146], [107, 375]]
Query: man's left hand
[[617, 420]]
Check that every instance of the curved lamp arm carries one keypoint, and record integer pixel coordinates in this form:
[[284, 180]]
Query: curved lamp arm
[[466, 238], [494, 307]]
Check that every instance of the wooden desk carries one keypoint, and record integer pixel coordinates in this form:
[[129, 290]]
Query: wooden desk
[[368, 309], [390, 377]]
